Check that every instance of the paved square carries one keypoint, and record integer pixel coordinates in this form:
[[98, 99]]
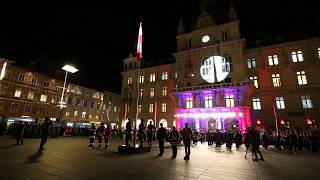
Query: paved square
[[70, 158]]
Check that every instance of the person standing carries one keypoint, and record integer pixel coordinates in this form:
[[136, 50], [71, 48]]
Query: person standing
[[44, 132], [128, 132], [19, 126], [174, 141], [92, 134], [150, 130], [107, 133], [100, 133], [186, 136], [256, 145], [141, 132], [161, 135]]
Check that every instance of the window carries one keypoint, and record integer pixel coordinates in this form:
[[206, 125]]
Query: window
[[302, 78], [319, 52], [280, 103], [90, 116], [229, 101], [141, 80], [53, 100], [92, 104], [164, 76], [75, 113], [306, 102], [164, 107], [189, 103], [139, 108], [78, 102], [297, 56], [256, 103], [97, 116], [151, 92], [254, 79], [276, 80], [30, 95], [34, 81], [21, 77], [208, 101], [151, 108], [114, 109], [152, 77], [43, 98], [83, 115], [70, 100], [42, 110], [129, 80], [141, 93], [226, 64], [46, 84], [14, 107], [17, 93], [85, 103], [176, 75], [28, 108], [273, 60], [164, 91], [251, 63], [67, 113]]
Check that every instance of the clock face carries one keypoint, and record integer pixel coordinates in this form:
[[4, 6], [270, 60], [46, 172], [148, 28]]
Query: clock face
[[205, 38], [214, 69]]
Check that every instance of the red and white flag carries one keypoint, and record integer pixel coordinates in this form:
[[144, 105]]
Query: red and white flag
[[139, 44]]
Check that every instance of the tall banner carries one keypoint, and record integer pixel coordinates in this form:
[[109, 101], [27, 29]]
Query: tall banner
[[139, 44]]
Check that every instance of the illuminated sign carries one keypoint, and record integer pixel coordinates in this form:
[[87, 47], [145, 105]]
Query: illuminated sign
[[214, 69]]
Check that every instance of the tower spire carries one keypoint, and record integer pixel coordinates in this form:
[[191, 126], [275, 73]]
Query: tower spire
[[180, 27], [232, 13], [204, 19]]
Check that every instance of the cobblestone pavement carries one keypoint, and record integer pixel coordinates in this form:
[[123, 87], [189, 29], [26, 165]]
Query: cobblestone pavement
[[70, 158]]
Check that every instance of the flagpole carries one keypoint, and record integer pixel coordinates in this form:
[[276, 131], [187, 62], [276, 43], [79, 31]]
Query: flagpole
[[275, 114], [137, 105]]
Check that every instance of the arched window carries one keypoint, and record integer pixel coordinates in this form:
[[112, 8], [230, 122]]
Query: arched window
[[148, 122], [227, 64], [130, 65], [318, 52], [164, 122]]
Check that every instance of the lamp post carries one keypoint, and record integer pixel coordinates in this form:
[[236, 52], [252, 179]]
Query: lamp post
[[71, 69]]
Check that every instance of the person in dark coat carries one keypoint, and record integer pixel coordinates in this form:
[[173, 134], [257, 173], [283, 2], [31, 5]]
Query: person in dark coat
[[150, 130], [19, 126], [44, 132], [186, 136], [255, 141], [238, 139], [161, 135], [174, 141], [92, 134], [128, 131], [141, 132]]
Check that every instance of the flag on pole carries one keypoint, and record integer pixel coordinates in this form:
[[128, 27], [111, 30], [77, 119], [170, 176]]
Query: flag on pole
[[139, 44], [275, 113]]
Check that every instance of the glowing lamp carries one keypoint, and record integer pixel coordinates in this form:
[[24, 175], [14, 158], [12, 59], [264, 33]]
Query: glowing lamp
[[309, 122], [240, 114], [70, 68], [282, 122], [258, 122]]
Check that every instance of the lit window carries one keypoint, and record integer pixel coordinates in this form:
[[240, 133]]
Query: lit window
[[97, 116], [75, 113], [83, 115], [43, 98], [176, 75], [129, 80], [280, 103], [251, 63], [302, 78], [273, 60], [151, 92], [141, 93], [141, 80], [53, 100], [297, 56], [114, 109], [34, 81], [14, 107], [254, 79], [67, 113], [227, 65], [208, 101], [189, 103], [276, 80], [28, 108], [46, 84], [104, 107], [164, 91], [256, 103], [152, 77], [229, 101], [306, 102], [17, 93], [151, 108], [90, 116], [139, 108], [30, 95], [164, 107], [21, 77], [319, 52], [164, 75]]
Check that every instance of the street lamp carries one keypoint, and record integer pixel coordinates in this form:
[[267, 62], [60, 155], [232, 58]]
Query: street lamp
[[71, 69]]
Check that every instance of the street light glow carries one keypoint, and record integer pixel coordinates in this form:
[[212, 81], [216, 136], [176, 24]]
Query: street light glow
[[70, 68]]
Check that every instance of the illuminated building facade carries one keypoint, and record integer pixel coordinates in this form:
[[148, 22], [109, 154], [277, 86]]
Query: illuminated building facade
[[218, 82]]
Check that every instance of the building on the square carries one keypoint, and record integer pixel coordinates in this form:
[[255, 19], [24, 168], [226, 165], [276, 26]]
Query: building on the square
[[218, 82]]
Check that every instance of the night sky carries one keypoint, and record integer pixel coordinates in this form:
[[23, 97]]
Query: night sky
[[96, 36]]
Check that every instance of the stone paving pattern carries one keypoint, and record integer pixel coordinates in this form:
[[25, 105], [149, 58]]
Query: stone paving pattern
[[70, 158]]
